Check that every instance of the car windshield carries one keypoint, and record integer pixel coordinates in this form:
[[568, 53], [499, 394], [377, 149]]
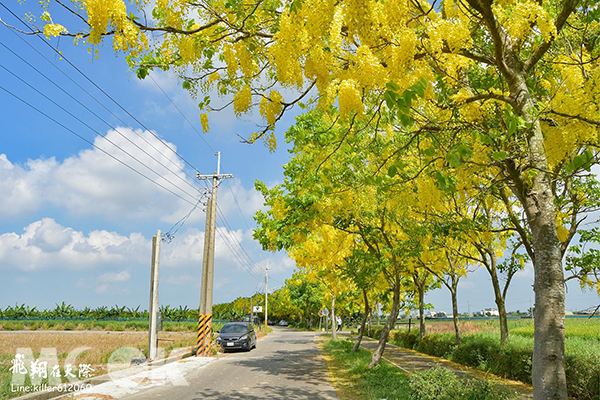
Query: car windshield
[[234, 328]]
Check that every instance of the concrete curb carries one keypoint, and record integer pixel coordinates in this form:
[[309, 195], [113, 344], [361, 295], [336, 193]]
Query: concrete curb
[[97, 380]]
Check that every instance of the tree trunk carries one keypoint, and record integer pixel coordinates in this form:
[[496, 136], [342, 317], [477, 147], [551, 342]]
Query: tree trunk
[[503, 321], [455, 315], [421, 293], [548, 372], [389, 325], [333, 321], [548, 369], [493, 271], [361, 330]]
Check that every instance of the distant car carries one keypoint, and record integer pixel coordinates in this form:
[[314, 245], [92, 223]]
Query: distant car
[[270, 322], [237, 335], [283, 322]]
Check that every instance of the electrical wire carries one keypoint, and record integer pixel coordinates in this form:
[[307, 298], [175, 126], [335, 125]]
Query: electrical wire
[[91, 143], [97, 86], [236, 255], [92, 129], [222, 216], [97, 116], [170, 235]]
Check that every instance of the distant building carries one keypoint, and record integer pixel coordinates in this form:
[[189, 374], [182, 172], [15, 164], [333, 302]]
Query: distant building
[[488, 312], [436, 314]]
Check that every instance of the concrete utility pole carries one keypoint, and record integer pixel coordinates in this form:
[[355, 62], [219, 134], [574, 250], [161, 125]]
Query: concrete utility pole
[[206, 291], [266, 294], [153, 335]]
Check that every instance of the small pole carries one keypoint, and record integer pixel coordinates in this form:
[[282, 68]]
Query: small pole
[[153, 335], [266, 294]]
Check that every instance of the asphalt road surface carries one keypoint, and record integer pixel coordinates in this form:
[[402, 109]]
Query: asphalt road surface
[[286, 364]]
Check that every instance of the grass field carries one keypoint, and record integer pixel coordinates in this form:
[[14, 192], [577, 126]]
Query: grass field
[[583, 328], [101, 338], [94, 325]]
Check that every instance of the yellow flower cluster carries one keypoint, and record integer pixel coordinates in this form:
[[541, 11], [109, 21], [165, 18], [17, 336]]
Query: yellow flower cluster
[[106, 14], [242, 100], [51, 30], [204, 122], [367, 69], [349, 98], [519, 18], [187, 50], [271, 107], [246, 63], [230, 60], [289, 49]]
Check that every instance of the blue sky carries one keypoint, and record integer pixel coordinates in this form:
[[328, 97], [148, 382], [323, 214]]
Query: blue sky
[[76, 225]]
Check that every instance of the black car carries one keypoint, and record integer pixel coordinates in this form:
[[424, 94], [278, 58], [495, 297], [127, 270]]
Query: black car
[[237, 335]]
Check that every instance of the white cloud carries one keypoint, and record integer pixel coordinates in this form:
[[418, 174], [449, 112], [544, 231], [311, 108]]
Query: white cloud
[[92, 183], [45, 244], [20, 187], [183, 280], [101, 288], [122, 276]]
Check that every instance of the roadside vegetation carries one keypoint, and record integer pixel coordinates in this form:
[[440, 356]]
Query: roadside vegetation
[[354, 380], [481, 349]]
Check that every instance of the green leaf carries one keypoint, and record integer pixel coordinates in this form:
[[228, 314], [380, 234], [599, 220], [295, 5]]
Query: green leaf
[[454, 160], [392, 86], [485, 139], [464, 151], [296, 6], [499, 155], [406, 120], [186, 85], [408, 96], [142, 72], [390, 99], [392, 170]]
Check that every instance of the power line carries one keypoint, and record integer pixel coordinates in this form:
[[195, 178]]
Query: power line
[[97, 116], [97, 86], [87, 141], [180, 112], [92, 129], [170, 235], [236, 255], [251, 261]]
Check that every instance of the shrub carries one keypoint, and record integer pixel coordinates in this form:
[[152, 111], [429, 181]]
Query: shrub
[[439, 345], [483, 351], [441, 384]]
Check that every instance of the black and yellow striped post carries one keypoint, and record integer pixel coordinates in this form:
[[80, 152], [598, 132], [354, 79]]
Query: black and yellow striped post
[[204, 335]]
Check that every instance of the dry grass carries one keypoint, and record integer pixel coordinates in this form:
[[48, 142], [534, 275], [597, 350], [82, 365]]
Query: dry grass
[[100, 344], [466, 327]]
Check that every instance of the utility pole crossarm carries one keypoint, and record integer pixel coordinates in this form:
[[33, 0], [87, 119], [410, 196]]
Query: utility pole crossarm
[[214, 176]]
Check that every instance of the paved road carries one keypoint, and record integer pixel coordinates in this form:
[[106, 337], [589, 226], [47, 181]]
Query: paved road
[[285, 365]]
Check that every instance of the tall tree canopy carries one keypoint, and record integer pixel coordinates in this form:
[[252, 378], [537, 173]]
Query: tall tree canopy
[[513, 88]]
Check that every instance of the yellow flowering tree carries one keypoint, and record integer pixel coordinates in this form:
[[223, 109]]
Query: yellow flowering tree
[[519, 77]]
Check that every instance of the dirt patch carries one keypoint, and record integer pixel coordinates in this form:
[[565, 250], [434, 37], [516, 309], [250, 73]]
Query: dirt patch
[[94, 348], [466, 327]]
